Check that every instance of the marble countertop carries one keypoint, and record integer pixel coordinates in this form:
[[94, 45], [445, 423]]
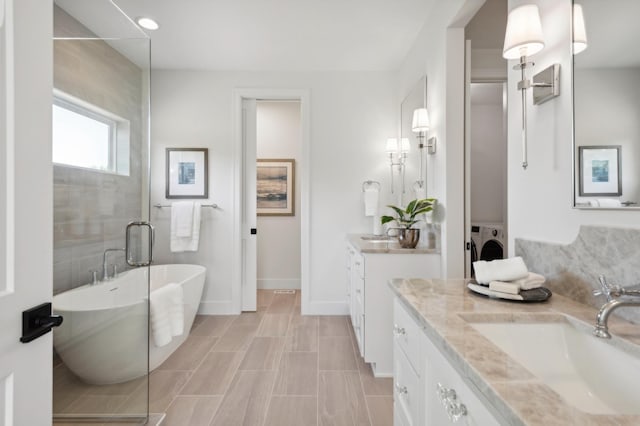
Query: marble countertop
[[390, 246], [442, 306]]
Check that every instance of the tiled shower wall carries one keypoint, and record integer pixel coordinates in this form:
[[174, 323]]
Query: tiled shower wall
[[572, 270], [91, 208]]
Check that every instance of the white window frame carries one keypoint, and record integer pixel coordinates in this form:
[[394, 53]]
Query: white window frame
[[119, 132]]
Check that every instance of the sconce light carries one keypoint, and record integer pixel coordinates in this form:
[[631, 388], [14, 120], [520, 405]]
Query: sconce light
[[420, 125], [397, 157], [522, 39], [579, 30]]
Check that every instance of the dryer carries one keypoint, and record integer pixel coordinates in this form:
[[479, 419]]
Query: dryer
[[492, 237]]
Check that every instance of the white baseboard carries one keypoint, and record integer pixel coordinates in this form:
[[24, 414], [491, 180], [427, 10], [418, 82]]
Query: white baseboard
[[217, 308], [326, 308], [279, 284]]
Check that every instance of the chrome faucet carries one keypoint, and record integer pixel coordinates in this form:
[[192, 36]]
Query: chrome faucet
[[105, 272], [612, 293]]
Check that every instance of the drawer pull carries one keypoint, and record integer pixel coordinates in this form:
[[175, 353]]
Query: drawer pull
[[448, 398], [398, 331], [402, 390]]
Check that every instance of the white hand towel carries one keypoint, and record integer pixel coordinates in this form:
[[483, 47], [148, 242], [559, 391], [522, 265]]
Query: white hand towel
[[531, 281], [504, 287], [500, 270], [166, 313], [371, 201], [191, 242], [609, 202], [488, 292], [182, 218]]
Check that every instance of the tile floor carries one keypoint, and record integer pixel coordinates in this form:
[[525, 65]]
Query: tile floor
[[272, 367]]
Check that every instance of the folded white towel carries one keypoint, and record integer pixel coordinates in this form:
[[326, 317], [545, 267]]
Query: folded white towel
[[609, 202], [504, 287], [371, 195], [166, 313], [488, 292], [500, 270], [531, 281], [192, 240]]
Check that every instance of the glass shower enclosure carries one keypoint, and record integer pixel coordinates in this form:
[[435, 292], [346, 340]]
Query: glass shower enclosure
[[100, 154]]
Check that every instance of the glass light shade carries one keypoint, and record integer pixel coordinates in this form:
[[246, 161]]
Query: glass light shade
[[420, 122], [579, 30], [405, 146], [524, 32], [392, 146]]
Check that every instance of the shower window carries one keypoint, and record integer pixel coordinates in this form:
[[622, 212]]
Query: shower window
[[89, 137]]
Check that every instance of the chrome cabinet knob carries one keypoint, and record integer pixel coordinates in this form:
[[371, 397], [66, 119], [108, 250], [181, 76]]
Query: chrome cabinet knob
[[402, 390], [398, 331]]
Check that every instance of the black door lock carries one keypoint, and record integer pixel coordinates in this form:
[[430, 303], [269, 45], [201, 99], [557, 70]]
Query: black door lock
[[254, 231], [38, 321]]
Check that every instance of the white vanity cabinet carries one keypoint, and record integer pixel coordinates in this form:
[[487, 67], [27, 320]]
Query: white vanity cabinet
[[371, 300], [427, 389]]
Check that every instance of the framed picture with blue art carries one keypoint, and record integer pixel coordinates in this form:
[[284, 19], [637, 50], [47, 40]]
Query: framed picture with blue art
[[600, 170], [187, 173]]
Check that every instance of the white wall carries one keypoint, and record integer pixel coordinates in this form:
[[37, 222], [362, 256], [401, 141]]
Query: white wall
[[278, 238], [488, 160], [439, 53], [540, 198], [352, 114]]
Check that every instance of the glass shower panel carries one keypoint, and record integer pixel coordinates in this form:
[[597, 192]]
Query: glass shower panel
[[101, 96]]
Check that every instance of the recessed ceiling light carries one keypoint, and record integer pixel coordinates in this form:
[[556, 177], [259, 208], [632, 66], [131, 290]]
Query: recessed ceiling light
[[147, 23]]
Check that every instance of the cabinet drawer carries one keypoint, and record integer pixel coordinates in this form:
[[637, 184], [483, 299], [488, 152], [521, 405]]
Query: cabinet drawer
[[358, 264], [406, 388], [407, 335], [399, 418]]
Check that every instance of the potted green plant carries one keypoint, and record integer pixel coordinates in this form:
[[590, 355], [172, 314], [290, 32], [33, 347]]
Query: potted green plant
[[408, 237]]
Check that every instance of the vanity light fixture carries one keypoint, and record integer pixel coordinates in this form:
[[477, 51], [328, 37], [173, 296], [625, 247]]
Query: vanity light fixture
[[147, 23], [579, 30], [400, 152], [420, 125], [524, 38]]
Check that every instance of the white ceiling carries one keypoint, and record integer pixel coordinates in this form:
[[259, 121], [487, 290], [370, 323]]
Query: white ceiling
[[276, 35]]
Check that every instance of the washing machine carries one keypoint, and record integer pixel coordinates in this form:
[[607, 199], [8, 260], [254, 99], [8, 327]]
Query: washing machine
[[476, 241], [492, 237]]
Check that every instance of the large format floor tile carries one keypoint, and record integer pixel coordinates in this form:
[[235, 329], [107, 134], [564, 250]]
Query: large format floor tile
[[265, 368]]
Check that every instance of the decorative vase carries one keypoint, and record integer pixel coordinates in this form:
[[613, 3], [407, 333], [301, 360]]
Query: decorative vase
[[408, 238]]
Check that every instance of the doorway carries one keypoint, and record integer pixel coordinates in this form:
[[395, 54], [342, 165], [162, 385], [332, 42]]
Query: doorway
[[486, 219], [272, 251]]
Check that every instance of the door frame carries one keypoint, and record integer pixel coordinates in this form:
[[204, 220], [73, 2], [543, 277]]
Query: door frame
[[303, 173]]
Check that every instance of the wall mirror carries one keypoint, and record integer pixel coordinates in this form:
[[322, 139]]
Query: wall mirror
[[606, 104], [416, 98]]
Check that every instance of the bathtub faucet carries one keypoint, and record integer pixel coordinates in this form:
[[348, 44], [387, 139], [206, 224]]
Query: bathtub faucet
[[105, 272]]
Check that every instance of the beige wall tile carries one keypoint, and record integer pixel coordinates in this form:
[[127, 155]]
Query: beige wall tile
[[292, 411], [214, 374], [247, 400], [192, 410], [263, 354], [297, 374], [341, 401], [336, 353]]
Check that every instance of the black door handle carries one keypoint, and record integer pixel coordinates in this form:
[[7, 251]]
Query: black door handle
[[254, 231], [38, 321]]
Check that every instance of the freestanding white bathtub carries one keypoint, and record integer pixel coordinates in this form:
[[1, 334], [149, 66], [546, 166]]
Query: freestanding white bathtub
[[103, 338]]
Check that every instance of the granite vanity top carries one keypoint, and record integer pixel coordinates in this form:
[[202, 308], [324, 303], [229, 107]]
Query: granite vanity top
[[390, 246], [443, 307]]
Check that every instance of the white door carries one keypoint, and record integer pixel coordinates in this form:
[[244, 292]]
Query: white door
[[249, 215], [25, 207]]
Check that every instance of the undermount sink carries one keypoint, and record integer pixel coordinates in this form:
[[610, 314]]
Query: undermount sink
[[590, 374]]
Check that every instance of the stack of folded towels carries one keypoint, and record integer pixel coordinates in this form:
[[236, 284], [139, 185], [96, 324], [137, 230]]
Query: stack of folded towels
[[508, 276]]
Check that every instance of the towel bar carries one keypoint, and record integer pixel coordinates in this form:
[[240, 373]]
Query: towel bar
[[213, 206]]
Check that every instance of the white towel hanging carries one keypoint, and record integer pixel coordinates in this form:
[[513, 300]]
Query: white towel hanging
[[181, 238]]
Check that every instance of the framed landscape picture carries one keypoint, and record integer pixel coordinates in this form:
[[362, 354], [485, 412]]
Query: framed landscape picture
[[600, 171], [275, 187], [187, 173]]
